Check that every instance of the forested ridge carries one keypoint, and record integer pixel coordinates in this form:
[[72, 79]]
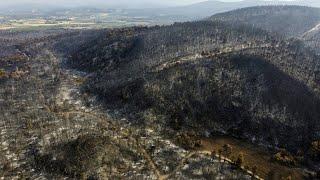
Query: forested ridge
[[291, 21], [212, 75], [298, 22]]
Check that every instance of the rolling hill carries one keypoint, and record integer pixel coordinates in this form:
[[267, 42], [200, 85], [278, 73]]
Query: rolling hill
[[208, 76], [299, 22], [312, 38], [291, 21]]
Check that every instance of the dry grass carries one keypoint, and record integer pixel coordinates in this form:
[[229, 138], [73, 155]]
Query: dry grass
[[2, 73], [253, 156], [80, 80]]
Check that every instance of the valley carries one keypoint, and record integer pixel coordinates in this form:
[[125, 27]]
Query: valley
[[232, 96], [53, 112], [58, 113], [75, 19]]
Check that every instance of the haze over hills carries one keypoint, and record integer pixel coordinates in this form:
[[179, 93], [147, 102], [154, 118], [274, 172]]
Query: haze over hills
[[152, 8], [290, 21], [207, 8], [97, 14]]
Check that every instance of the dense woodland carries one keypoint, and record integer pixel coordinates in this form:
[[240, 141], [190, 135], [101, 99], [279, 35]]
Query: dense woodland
[[287, 21], [49, 130], [290, 21], [128, 53], [242, 75]]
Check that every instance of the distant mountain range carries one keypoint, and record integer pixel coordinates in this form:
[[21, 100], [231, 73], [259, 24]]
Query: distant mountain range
[[207, 8], [147, 8]]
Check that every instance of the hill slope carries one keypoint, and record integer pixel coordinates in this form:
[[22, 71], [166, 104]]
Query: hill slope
[[312, 38], [209, 76], [291, 21]]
